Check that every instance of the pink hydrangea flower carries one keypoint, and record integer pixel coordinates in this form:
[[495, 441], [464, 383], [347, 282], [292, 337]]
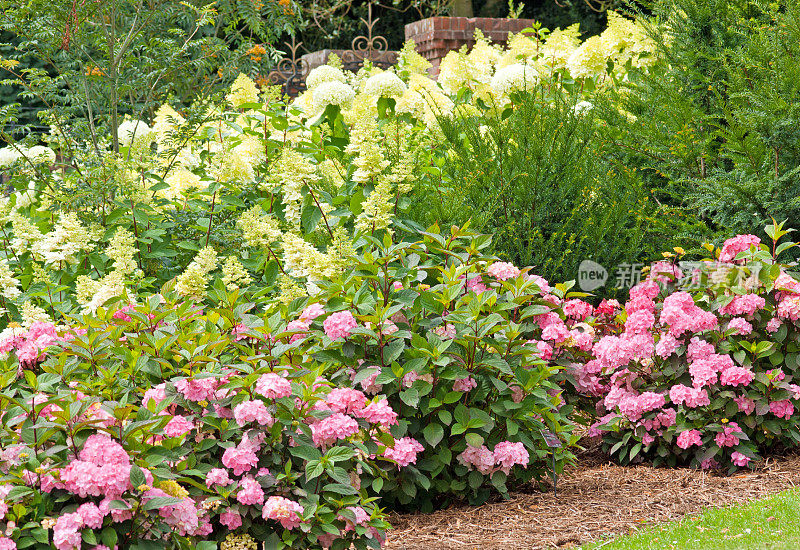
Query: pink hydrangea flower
[[252, 411], [177, 426], [273, 386], [681, 315], [746, 304], [667, 345], [231, 519], [745, 404], [241, 458], [479, 458], [739, 459], [789, 308], [446, 331], [782, 409], [299, 328], [737, 244], [7, 544], [740, 325], [397, 285], [404, 451], [736, 376], [217, 476], [283, 510], [632, 406], [640, 321], [773, 325], [578, 309], [311, 312], [250, 492], [545, 349], [379, 412], [328, 430], [198, 389], [503, 271], [90, 515], [508, 454], [339, 325], [346, 400], [464, 384], [362, 517], [726, 437], [66, 532], [692, 397], [688, 438], [539, 281]]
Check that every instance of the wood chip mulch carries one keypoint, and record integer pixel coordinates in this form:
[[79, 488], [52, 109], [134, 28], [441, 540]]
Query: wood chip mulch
[[596, 500]]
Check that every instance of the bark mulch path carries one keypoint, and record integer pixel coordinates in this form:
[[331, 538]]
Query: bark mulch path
[[595, 500]]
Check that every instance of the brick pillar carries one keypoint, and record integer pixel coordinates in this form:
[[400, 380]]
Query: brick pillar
[[436, 36]]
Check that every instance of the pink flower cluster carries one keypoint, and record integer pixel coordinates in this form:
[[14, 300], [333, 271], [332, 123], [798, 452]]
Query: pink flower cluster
[[287, 512], [103, 468], [29, 346], [682, 315], [339, 324], [505, 456], [404, 451], [464, 384], [737, 244], [503, 271], [252, 411], [688, 438], [329, 430], [727, 437], [273, 386]]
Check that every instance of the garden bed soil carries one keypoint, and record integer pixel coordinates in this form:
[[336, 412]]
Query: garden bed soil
[[596, 500]]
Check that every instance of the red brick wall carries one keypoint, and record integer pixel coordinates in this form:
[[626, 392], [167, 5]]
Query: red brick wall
[[436, 36]]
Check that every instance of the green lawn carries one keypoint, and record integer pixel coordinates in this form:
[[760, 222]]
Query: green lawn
[[772, 523]]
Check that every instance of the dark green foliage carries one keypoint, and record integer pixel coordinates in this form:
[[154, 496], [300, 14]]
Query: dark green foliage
[[717, 128], [536, 178]]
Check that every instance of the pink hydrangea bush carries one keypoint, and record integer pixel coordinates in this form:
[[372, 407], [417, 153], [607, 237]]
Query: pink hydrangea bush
[[705, 376], [202, 438], [468, 363]]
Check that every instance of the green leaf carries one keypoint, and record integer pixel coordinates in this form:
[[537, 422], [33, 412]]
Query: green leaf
[[433, 434]]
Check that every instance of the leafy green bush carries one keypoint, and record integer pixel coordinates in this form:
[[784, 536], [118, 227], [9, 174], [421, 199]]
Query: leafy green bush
[[449, 336], [537, 178], [168, 423], [715, 125]]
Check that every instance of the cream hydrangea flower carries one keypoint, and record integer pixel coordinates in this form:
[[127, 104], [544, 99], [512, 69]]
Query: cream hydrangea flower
[[409, 61], [32, 313], [180, 181], [559, 46], [385, 84], [322, 74], [293, 171], [8, 283], [8, 155], [589, 60], [234, 275], [333, 93], [243, 90], [257, 229], [63, 244], [192, 282], [514, 78], [121, 250], [134, 132]]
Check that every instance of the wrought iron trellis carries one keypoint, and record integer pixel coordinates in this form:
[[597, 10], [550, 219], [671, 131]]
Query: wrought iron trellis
[[291, 71], [369, 47]]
